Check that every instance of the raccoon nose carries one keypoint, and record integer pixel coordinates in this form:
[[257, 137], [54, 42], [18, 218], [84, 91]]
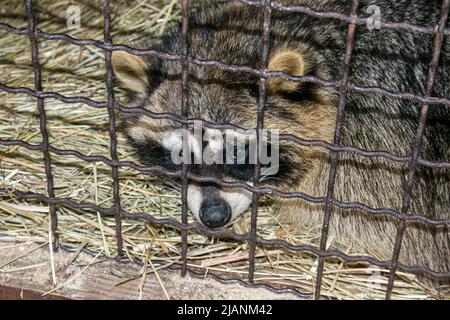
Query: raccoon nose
[[216, 214]]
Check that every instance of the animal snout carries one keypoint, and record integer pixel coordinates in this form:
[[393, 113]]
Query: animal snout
[[215, 214]]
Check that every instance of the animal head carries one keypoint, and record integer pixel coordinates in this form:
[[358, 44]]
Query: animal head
[[221, 96]]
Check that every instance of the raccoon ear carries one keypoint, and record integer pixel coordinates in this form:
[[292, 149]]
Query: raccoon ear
[[131, 71], [289, 61]]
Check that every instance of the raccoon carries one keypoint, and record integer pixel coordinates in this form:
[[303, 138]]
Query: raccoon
[[301, 45]]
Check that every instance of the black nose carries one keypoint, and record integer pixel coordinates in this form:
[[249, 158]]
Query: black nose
[[215, 214]]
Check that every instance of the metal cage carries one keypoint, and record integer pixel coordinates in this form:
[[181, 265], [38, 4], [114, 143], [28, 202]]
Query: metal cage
[[343, 86]]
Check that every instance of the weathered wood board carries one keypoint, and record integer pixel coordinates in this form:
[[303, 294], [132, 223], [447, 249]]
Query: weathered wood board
[[29, 277]]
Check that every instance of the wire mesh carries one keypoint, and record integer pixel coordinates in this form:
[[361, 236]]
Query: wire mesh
[[343, 85]]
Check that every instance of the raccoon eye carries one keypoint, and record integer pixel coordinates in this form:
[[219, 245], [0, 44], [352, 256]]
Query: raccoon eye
[[152, 153], [253, 90], [242, 172], [286, 170], [240, 169]]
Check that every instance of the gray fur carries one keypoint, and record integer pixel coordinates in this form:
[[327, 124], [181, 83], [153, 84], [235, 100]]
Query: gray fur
[[394, 59]]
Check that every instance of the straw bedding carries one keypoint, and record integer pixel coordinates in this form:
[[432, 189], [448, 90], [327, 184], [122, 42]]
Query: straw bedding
[[72, 71]]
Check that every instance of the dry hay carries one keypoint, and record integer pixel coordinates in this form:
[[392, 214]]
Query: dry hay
[[72, 70]]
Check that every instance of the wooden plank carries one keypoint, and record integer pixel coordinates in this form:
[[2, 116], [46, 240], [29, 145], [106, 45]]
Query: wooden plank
[[29, 277], [11, 293]]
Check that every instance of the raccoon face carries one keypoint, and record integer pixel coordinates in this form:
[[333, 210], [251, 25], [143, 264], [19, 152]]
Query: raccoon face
[[230, 155]]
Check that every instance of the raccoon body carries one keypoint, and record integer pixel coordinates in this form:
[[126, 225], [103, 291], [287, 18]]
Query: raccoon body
[[396, 60]]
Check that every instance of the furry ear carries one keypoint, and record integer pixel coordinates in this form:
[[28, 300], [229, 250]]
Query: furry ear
[[289, 61], [131, 71]]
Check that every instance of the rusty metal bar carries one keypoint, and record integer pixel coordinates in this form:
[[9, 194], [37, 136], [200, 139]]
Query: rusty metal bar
[[230, 184], [227, 233], [185, 114], [418, 145], [20, 293], [42, 118], [233, 68], [265, 48], [112, 125], [337, 138], [213, 125]]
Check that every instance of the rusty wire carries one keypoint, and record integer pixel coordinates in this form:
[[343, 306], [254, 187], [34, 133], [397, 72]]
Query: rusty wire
[[343, 86], [42, 116], [439, 37], [265, 38], [184, 113], [112, 125], [343, 90]]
